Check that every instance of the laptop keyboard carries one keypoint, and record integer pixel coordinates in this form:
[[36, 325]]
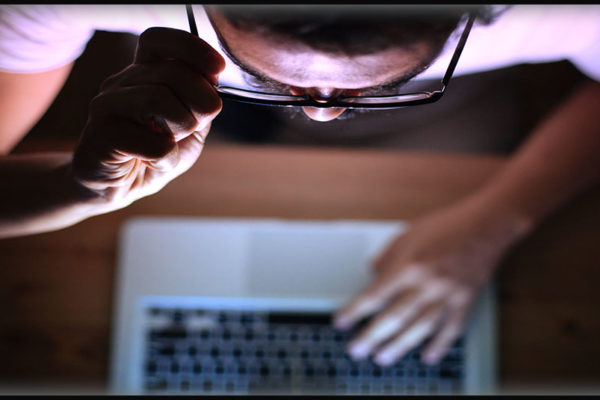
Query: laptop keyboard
[[259, 352]]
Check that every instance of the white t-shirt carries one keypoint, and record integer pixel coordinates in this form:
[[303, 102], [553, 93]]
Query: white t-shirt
[[35, 38]]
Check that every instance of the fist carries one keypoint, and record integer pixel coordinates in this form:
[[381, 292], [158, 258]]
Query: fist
[[149, 122]]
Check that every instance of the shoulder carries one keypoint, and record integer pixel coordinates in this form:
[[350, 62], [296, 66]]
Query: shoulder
[[36, 38], [540, 33], [534, 34]]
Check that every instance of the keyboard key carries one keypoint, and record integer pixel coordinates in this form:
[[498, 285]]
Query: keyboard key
[[205, 334], [167, 350], [249, 352], [174, 367], [160, 384], [172, 333], [264, 370], [151, 367]]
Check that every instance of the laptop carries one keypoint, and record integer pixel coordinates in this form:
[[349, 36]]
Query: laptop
[[222, 306]]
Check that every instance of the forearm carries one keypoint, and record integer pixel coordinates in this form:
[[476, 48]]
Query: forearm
[[560, 160], [38, 194]]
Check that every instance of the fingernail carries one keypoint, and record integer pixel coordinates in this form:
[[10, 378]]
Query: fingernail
[[431, 358], [358, 351], [384, 358], [341, 323]]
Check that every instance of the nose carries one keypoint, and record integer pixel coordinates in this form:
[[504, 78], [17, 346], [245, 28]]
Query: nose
[[322, 95], [323, 114]]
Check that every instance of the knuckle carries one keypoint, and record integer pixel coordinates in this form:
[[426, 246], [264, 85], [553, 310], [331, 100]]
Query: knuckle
[[451, 333], [187, 124], [99, 105], [461, 296], [149, 35], [157, 94], [159, 147], [215, 106], [117, 78], [211, 104], [109, 82], [415, 272], [441, 284]]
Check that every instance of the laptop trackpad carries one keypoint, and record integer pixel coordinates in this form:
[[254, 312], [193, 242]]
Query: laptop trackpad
[[307, 263]]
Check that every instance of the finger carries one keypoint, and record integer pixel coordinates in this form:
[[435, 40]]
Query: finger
[[376, 296], [386, 325], [191, 88], [189, 150], [134, 140], [108, 152], [154, 106], [411, 336], [442, 342], [166, 43]]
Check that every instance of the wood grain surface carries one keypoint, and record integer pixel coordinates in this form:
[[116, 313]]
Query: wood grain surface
[[56, 288]]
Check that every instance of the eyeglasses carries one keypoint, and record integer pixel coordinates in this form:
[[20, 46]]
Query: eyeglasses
[[350, 102]]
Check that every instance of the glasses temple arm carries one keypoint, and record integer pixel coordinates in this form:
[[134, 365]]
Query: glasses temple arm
[[459, 49], [191, 19]]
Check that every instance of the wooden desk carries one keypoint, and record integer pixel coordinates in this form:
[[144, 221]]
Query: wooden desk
[[56, 288]]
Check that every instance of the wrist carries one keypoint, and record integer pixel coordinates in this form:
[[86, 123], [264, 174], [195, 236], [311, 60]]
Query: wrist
[[87, 201], [505, 222]]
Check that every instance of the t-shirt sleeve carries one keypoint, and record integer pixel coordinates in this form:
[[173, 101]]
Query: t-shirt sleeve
[[587, 60], [581, 32], [37, 38]]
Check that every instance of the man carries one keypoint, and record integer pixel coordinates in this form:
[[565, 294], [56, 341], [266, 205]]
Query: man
[[149, 123]]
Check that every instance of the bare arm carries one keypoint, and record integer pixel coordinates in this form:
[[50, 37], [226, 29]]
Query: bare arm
[[559, 161], [428, 279], [23, 100], [146, 127]]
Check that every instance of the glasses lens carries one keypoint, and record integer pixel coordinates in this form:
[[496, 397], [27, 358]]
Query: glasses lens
[[234, 77], [258, 95], [242, 83], [387, 99]]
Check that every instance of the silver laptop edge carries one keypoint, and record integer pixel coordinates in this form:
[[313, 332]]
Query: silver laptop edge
[[127, 348]]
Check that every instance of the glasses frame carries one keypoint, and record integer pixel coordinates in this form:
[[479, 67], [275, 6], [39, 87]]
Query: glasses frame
[[412, 99]]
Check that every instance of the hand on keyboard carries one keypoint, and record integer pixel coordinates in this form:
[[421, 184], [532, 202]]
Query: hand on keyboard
[[426, 282]]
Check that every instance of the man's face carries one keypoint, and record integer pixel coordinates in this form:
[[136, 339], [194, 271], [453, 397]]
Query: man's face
[[321, 75]]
